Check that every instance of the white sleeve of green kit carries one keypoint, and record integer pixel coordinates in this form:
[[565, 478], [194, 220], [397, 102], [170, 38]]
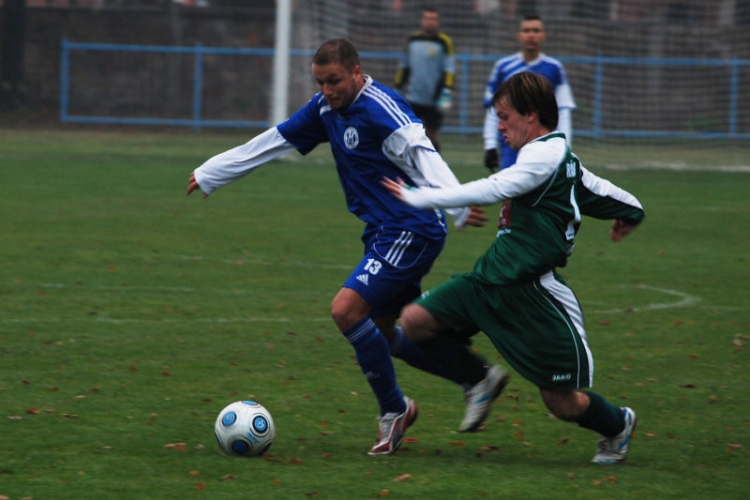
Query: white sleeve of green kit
[[536, 162], [231, 165]]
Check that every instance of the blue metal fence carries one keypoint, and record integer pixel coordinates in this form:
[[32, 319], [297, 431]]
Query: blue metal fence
[[463, 102]]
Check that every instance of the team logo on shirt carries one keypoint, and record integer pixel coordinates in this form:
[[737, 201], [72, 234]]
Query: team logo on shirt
[[351, 137]]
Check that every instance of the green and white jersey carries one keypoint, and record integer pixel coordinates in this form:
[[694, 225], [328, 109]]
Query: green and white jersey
[[543, 198]]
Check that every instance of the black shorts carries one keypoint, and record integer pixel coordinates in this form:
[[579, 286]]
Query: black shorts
[[430, 116]]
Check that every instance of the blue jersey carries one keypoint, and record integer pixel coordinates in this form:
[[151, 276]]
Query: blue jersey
[[504, 68], [356, 136], [548, 67]]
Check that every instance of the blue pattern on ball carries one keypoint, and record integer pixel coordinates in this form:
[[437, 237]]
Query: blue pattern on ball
[[229, 418], [240, 447], [260, 424]]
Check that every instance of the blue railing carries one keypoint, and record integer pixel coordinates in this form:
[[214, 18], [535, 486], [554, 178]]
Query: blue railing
[[464, 102]]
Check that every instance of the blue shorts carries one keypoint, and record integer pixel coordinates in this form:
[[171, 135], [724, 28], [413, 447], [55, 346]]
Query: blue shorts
[[390, 274]]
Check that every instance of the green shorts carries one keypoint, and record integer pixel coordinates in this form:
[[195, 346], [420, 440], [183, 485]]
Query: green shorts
[[536, 326]]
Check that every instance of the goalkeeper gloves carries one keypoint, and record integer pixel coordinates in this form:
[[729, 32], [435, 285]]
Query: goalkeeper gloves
[[491, 160], [445, 100]]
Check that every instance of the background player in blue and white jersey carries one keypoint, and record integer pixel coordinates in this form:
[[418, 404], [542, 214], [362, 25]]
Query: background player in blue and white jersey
[[426, 73], [531, 36], [372, 133]]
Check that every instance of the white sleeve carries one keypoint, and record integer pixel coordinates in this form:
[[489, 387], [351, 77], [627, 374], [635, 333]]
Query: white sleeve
[[410, 150], [565, 124], [231, 165], [536, 162], [490, 129], [564, 95]]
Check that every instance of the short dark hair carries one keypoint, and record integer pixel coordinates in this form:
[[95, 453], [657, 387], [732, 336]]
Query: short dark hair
[[337, 51], [532, 17], [528, 92]]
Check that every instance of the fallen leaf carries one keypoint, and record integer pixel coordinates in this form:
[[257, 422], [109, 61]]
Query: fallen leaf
[[200, 486], [457, 443], [311, 494], [402, 477], [384, 493], [295, 461], [194, 473], [519, 435], [411, 440], [32, 411], [276, 481], [732, 447], [327, 455], [488, 447], [611, 479], [564, 441], [571, 475], [687, 386], [228, 477]]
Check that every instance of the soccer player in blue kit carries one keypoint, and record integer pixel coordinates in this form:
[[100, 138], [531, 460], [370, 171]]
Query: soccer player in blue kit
[[372, 133], [530, 58]]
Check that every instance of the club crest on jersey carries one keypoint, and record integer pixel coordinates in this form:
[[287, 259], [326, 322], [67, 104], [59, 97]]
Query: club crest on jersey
[[351, 137]]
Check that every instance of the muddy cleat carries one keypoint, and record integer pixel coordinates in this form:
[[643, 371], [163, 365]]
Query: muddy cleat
[[480, 397], [614, 450], [392, 428]]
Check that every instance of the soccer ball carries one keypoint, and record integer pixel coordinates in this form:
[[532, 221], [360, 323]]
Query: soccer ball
[[244, 429]]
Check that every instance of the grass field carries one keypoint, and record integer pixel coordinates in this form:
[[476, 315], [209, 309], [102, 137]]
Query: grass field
[[132, 314]]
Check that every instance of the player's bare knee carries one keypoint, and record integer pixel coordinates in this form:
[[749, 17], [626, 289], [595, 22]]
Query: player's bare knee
[[417, 323]]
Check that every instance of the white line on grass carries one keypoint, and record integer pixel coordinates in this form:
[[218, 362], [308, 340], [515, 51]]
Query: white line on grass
[[686, 300], [679, 166]]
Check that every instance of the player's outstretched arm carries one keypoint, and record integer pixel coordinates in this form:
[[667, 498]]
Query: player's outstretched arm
[[193, 185], [620, 229]]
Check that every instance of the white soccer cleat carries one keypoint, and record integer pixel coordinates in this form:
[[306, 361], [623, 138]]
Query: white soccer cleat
[[479, 398], [615, 450], [392, 428]]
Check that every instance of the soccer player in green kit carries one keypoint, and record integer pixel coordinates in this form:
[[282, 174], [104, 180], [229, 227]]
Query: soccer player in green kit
[[514, 294]]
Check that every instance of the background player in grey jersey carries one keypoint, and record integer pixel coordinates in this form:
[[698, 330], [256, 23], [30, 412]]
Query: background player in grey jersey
[[514, 294], [426, 73]]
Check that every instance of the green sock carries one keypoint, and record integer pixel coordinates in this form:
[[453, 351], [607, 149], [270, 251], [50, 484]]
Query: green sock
[[454, 353], [602, 417]]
